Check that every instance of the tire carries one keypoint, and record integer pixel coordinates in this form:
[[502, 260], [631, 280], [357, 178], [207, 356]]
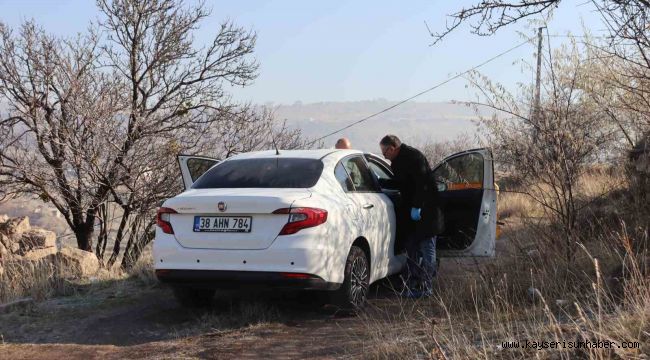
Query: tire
[[353, 292], [191, 297]]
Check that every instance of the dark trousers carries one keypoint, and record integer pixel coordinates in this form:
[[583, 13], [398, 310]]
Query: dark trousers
[[421, 262]]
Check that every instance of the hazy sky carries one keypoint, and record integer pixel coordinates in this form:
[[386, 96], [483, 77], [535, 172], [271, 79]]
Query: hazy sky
[[344, 50]]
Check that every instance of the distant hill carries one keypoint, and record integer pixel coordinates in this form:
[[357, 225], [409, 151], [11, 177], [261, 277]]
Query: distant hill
[[412, 121]]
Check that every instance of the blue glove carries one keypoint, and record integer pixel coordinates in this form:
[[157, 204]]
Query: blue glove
[[415, 214]]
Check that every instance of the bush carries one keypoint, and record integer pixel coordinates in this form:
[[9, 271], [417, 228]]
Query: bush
[[531, 292]]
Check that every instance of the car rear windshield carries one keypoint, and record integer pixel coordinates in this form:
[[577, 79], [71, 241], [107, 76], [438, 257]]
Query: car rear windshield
[[262, 173]]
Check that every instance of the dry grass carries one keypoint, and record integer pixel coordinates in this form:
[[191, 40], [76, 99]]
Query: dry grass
[[523, 298], [229, 316], [43, 279], [143, 269], [531, 292], [517, 205], [38, 280], [596, 184]]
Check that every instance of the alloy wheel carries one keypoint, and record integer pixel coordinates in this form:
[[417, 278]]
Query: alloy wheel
[[359, 281]]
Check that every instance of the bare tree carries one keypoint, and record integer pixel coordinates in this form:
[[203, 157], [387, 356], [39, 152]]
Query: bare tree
[[57, 106], [488, 16], [436, 151], [84, 117], [173, 90], [251, 129], [629, 45], [628, 25], [548, 153]]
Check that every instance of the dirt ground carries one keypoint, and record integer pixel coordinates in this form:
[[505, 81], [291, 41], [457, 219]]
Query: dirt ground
[[126, 319], [122, 321]]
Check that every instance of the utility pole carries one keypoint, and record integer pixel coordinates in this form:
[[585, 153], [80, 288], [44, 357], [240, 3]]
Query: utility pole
[[538, 84]]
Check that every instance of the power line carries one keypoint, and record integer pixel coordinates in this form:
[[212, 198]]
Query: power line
[[421, 92], [575, 36]]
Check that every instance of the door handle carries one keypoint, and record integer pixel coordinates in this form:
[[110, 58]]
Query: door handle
[[368, 206]]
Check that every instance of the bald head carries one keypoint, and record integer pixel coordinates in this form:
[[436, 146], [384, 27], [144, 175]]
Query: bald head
[[343, 143]]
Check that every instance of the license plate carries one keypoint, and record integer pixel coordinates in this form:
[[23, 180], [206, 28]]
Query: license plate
[[223, 224]]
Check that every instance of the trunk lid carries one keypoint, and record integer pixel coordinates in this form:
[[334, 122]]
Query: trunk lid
[[258, 204]]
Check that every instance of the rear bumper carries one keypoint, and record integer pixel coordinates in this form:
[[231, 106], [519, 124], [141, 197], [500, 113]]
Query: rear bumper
[[304, 253], [238, 279]]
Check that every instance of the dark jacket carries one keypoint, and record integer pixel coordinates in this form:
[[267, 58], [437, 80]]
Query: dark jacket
[[413, 177]]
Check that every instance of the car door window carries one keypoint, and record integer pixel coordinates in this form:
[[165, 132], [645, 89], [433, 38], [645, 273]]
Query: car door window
[[469, 207], [342, 177], [360, 175], [198, 167], [461, 172], [379, 171]]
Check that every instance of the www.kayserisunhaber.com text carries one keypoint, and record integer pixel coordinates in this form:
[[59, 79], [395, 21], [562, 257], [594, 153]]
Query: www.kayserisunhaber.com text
[[586, 344]]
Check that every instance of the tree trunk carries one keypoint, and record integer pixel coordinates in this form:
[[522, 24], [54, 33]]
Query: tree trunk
[[133, 253], [127, 261], [84, 234], [118, 238], [103, 233]]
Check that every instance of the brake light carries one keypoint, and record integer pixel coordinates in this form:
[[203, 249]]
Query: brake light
[[162, 219], [301, 218]]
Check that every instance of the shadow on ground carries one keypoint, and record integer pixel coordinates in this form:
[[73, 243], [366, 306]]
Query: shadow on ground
[[127, 313]]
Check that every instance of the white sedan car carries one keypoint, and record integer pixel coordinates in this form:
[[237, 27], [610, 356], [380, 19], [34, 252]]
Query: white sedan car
[[307, 219]]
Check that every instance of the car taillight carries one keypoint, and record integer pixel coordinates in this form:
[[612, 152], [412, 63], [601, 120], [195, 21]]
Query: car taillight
[[297, 276], [162, 219], [301, 218]]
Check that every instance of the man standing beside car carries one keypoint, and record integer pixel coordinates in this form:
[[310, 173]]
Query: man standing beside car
[[419, 216]]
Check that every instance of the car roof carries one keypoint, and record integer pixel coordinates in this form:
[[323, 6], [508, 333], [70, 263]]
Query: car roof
[[305, 154]]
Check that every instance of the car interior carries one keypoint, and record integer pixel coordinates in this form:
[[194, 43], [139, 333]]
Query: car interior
[[460, 189], [462, 194]]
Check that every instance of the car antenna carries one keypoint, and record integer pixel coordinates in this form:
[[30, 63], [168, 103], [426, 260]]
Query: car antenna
[[277, 152]]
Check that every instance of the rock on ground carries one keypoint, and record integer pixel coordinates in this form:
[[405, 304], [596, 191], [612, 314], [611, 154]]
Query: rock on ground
[[37, 239], [38, 254], [15, 227], [20, 241], [82, 263], [31, 247]]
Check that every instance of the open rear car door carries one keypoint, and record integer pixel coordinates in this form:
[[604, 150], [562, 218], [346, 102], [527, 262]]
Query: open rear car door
[[192, 167], [466, 190]]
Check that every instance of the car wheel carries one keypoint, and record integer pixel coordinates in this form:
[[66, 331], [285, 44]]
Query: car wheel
[[353, 292], [191, 297]]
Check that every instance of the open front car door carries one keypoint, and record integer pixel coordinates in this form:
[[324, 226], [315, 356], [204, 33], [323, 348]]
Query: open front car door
[[192, 167], [468, 199]]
